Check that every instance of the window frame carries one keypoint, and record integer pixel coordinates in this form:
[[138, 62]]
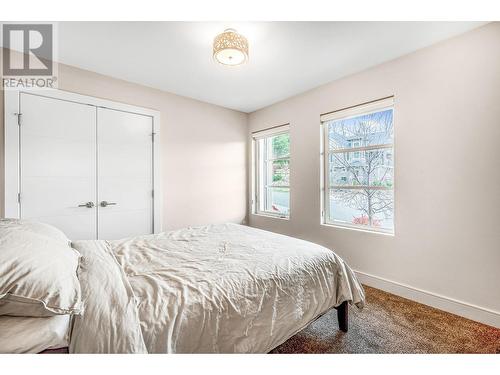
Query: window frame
[[351, 112], [259, 190]]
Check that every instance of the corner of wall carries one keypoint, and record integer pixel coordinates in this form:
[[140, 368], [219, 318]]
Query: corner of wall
[[248, 172]]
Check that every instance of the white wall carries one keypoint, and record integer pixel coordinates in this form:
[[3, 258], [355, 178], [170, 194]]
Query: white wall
[[203, 149], [447, 177]]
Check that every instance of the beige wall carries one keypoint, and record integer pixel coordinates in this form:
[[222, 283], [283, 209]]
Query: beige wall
[[447, 177], [203, 149], [447, 153]]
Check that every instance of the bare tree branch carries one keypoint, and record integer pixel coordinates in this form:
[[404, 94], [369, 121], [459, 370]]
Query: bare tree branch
[[364, 168]]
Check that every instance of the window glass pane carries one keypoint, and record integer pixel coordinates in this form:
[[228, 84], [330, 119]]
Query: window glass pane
[[361, 131], [366, 167], [272, 155], [278, 200], [279, 146], [280, 172], [365, 207], [361, 182]]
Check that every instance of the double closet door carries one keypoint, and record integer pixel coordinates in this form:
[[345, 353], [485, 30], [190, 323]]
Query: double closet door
[[85, 169]]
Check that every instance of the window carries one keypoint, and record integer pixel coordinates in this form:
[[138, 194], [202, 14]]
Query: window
[[272, 172], [359, 167]]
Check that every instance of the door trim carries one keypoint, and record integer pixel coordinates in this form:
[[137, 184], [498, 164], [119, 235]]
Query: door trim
[[12, 144]]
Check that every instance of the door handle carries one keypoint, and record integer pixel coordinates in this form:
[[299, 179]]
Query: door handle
[[105, 204], [88, 205]]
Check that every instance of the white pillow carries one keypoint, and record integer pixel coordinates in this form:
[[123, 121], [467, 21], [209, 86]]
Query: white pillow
[[38, 275], [33, 335], [35, 227]]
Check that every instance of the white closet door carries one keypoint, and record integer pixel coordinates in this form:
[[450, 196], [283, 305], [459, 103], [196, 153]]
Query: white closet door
[[58, 164], [125, 174]]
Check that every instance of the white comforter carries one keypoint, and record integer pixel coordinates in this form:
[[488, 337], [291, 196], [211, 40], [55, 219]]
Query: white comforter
[[214, 289]]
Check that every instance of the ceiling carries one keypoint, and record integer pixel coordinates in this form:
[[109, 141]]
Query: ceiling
[[286, 58]]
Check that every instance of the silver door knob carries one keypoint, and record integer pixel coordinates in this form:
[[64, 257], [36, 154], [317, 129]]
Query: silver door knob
[[105, 204], [88, 205]]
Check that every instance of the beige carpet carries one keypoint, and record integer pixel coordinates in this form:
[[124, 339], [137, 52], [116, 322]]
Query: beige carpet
[[391, 324]]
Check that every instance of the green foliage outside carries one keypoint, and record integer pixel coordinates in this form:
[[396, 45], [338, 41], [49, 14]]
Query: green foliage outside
[[281, 145], [281, 148]]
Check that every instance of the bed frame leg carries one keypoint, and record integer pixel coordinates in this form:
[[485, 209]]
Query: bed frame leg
[[343, 316]]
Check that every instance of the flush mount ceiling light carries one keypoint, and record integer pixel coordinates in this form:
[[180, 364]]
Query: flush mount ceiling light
[[230, 48]]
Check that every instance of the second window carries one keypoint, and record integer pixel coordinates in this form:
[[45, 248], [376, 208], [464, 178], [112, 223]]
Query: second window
[[272, 172], [359, 167]]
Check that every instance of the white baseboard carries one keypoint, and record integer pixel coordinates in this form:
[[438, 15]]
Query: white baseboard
[[467, 310]]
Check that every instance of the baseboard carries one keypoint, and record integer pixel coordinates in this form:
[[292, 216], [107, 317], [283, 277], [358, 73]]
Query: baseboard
[[467, 310]]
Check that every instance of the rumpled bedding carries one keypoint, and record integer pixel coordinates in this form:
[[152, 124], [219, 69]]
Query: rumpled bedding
[[214, 289]]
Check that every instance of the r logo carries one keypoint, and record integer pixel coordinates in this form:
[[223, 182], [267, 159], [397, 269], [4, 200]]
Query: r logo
[[35, 42]]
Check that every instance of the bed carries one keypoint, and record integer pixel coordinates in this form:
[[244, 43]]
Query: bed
[[213, 289]]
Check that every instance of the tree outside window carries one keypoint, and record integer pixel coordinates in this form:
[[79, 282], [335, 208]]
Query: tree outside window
[[360, 170]]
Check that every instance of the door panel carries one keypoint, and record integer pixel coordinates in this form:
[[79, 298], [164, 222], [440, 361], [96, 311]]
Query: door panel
[[58, 164], [125, 174]]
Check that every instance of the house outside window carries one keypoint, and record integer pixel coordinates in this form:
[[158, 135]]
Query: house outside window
[[358, 167], [271, 177]]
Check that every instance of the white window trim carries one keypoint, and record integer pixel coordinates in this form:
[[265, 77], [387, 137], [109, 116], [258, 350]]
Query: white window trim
[[275, 130], [354, 111], [256, 196]]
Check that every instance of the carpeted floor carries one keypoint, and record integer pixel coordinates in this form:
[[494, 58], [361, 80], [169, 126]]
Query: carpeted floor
[[391, 324]]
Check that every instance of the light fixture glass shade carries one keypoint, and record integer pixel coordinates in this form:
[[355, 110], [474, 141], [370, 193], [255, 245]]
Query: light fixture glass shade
[[230, 48]]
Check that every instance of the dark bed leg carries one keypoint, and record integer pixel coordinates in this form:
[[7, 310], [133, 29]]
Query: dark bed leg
[[343, 316]]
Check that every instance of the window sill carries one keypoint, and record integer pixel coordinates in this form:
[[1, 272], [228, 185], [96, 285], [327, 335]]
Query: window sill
[[359, 229], [263, 214]]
